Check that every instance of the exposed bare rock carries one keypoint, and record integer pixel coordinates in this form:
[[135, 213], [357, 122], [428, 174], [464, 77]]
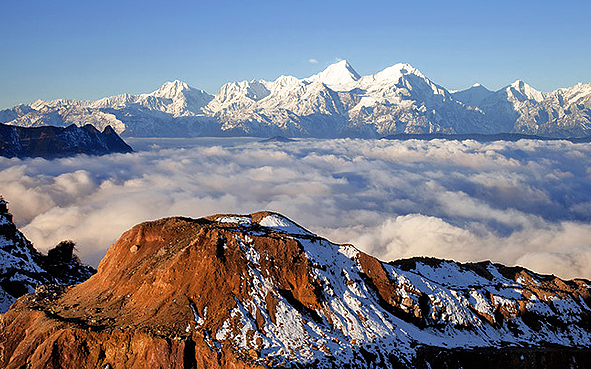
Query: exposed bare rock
[[253, 291]]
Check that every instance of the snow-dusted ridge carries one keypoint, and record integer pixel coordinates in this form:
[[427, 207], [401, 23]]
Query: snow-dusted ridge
[[261, 291], [428, 302], [469, 305], [335, 102], [270, 220]]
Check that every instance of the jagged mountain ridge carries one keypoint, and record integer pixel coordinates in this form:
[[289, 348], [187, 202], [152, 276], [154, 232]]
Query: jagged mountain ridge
[[254, 291], [53, 142], [337, 102], [22, 267]]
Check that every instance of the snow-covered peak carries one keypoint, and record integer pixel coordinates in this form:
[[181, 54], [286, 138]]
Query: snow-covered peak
[[256, 90], [476, 87], [171, 89], [340, 73], [394, 72], [577, 94], [281, 223], [521, 90], [236, 91], [38, 104], [273, 221], [285, 81], [57, 103], [335, 102], [473, 96], [176, 97]]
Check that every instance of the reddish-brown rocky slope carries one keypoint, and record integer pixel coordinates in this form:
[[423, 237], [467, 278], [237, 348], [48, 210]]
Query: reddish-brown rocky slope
[[259, 291]]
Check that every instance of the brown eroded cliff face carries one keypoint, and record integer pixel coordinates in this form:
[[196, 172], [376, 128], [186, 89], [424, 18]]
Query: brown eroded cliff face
[[259, 291], [139, 309]]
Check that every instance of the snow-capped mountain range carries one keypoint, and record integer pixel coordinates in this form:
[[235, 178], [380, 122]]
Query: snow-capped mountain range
[[337, 102]]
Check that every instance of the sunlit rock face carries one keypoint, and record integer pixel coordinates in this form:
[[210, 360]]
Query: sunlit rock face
[[258, 290]]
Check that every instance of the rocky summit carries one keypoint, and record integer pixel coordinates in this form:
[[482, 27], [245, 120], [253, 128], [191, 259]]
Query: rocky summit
[[259, 291]]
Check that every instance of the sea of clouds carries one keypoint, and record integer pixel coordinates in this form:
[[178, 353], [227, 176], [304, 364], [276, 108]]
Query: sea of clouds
[[522, 203]]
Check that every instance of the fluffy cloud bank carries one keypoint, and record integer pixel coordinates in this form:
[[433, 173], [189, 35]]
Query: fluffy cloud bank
[[525, 203]]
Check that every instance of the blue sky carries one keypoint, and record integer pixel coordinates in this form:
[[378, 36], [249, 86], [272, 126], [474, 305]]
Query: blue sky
[[91, 49]]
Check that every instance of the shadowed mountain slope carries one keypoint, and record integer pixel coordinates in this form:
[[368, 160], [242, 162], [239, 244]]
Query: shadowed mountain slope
[[53, 142]]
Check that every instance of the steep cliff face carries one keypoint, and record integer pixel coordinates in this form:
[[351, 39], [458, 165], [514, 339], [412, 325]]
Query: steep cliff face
[[254, 291], [22, 267], [52, 142]]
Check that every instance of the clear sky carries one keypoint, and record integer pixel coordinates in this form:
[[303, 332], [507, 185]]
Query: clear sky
[[91, 49]]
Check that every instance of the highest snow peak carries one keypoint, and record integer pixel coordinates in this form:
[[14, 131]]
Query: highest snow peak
[[340, 73]]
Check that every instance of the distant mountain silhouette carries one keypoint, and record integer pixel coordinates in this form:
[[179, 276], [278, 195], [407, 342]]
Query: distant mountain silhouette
[[54, 142]]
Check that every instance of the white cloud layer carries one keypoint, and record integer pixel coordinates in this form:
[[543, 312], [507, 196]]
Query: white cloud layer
[[526, 203]]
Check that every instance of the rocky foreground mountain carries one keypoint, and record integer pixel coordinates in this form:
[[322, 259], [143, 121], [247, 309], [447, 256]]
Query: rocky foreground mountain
[[259, 291], [23, 268], [337, 102], [53, 142]]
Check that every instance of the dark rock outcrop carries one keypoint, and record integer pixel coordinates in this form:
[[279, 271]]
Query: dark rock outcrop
[[258, 291], [23, 268], [54, 142]]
